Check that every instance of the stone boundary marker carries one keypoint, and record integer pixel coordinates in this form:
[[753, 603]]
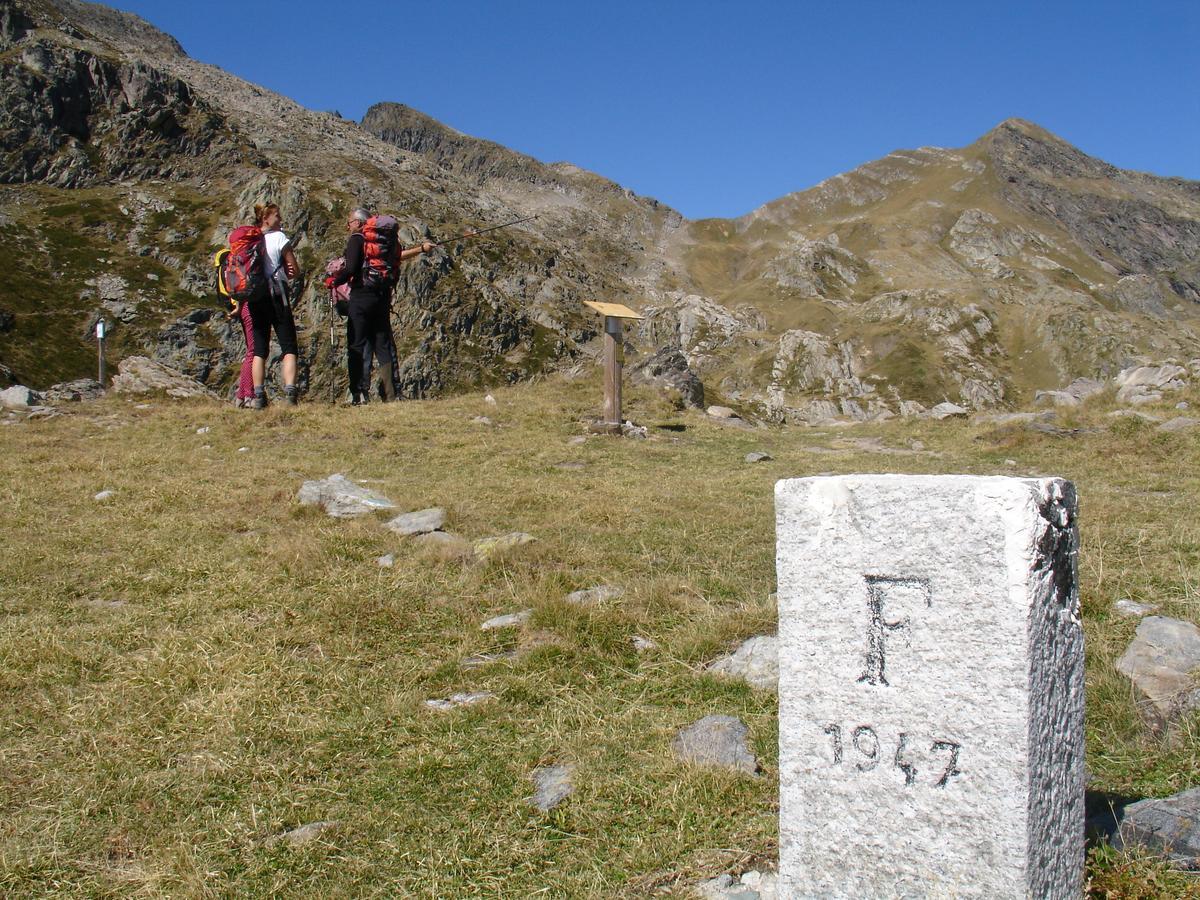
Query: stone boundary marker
[[931, 687]]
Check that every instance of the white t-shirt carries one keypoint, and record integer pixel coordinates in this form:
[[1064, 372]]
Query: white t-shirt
[[275, 242]]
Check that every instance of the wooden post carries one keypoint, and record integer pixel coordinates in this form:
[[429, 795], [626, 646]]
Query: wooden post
[[100, 346], [614, 360]]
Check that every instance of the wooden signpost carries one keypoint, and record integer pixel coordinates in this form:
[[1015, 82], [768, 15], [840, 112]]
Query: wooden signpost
[[614, 359]]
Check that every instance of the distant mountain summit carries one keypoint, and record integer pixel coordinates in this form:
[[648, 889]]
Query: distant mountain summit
[[977, 275]]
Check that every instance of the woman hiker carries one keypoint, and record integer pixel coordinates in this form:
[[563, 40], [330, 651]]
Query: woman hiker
[[369, 309], [274, 309]]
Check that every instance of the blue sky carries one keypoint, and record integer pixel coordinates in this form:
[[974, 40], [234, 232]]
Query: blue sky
[[718, 107]]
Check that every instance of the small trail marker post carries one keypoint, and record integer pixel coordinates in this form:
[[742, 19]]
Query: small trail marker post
[[614, 360], [100, 345], [930, 688]]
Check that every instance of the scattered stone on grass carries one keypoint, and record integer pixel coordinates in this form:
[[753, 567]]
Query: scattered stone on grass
[[492, 547], [1133, 609], [422, 521], [716, 741], [479, 660], [1170, 826], [722, 412], [1179, 423], [600, 593], [203, 430], [553, 785], [1146, 383], [642, 644], [386, 561], [758, 456], [104, 495], [756, 661], [342, 498], [511, 620], [1183, 404], [947, 410], [752, 885], [482, 420], [1159, 661], [461, 699], [489, 400], [243, 449], [305, 834]]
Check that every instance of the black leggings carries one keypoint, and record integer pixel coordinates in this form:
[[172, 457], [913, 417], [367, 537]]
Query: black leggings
[[370, 334], [268, 312]]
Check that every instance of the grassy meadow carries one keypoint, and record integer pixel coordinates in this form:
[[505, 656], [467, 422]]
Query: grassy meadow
[[199, 664]]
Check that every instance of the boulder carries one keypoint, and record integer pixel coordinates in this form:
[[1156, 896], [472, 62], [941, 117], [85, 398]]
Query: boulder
[[19, 397], [553, 785], [342, 498], [1159, 662], [139, 375], [668, 371], [756, 661], [721, 412], [718, 741], [1149, 380], [1082, 388], [1132, 609], [1055, 398], [421, 522], [1170, 826], [758, 456]]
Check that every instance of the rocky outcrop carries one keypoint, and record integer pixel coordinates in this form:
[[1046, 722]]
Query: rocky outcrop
[[139, 375], [668, 370]]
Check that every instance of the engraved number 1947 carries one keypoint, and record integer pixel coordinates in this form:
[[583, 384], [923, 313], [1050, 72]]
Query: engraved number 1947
[[868, 753]]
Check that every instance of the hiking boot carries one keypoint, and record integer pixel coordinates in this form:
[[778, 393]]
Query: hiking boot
[[259, 402], [289, 395]]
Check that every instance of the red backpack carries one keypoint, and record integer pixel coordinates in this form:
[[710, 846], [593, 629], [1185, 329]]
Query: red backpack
[[242, 270], [381, 252]]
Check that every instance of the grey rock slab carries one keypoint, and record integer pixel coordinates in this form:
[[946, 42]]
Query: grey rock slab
[[1179, 423], [77, 391], [104, 495], [491, 547], [461, 699], [1170, 826], [721, 412], [1055, 398], [140, 375], [553, 785], [511, 620], [1159, 661], [600, 593], [756, 661], [757, 456], [305, 834], [947, 411], [422, 521], [718, 741], [341, 498], [1133, 609]]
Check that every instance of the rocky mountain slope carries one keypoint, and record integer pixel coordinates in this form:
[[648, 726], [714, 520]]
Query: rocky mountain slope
[[977, 275]]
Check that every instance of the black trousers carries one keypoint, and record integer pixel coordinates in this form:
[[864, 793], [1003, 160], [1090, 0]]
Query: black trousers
[[369, 336], [267, 312]]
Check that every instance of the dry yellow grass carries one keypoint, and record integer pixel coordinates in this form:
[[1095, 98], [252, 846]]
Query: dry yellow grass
[[199, 664]]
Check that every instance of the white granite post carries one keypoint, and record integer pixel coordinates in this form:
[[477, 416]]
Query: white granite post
[[930, 687]]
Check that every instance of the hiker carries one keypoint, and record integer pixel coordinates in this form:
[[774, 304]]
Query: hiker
[[370, 270], [273, 309]]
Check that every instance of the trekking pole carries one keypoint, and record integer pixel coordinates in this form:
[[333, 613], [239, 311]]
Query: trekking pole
[[332, 354], [471, 234]]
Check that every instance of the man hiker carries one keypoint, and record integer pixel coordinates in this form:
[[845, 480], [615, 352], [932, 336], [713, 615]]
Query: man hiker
[[372, 259]]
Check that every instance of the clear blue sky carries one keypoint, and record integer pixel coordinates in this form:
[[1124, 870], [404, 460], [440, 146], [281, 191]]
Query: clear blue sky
[[718, 107]]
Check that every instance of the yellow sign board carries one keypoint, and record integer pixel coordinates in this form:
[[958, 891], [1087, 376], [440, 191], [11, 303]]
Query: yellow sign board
[[612, 309]]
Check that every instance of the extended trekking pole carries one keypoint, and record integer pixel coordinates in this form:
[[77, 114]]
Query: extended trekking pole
[[471, 234]]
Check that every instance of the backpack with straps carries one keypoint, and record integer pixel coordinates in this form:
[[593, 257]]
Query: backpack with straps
[[381, 252], [243, 273]]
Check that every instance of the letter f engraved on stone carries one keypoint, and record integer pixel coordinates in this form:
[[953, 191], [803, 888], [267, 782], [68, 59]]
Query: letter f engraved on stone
[[879, 627]]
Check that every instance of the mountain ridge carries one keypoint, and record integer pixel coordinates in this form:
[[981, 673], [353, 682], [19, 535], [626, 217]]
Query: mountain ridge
[[819, 295]]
